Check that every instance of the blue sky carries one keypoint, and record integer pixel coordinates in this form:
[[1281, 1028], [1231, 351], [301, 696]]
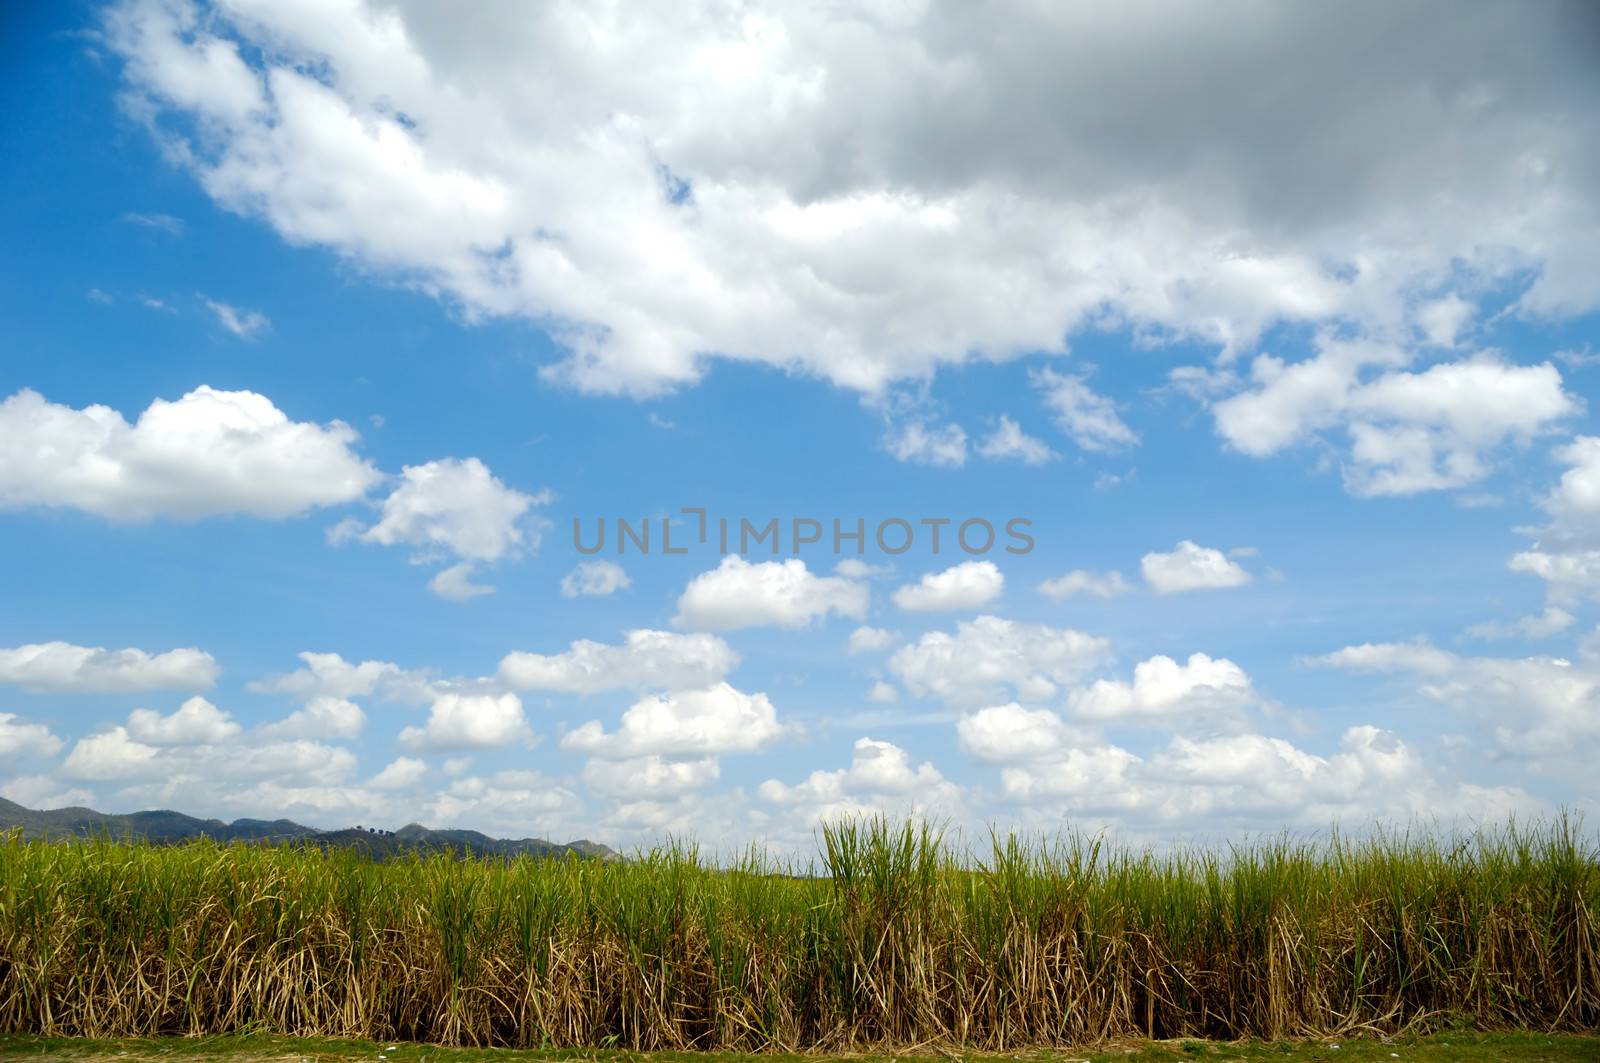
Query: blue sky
[[1310, 373]]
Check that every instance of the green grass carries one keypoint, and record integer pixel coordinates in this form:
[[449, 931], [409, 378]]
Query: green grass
[[898, 940], [1455, 1046]]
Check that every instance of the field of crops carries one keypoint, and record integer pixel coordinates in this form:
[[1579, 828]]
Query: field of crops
[[897, 939]]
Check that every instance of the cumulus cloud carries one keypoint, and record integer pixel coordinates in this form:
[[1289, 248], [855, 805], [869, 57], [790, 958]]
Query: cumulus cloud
[[456, 506], [62, 668], [200, 760], [211, 453], [330, 675], [25, 742], [111, 756], [401, 773], [322, 717], [1008, 734], [881, 778], [1082, 581], [969, 585], [1407, 431], [650, 776], [1233, 781], [1441, 321], [987, 656], [1566, 551], [464, 721], [44, 791], [739, 594], [513, 804], [716, 720], [1087, 418], [196, 722], [831, 194], [1543, 707], [201, 755], [595, 579], [663, 660], [1009, 442], [1191, 567], [1162, 688]]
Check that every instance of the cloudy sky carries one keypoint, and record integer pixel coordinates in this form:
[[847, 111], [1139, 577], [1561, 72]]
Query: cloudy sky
[[1179, 419]]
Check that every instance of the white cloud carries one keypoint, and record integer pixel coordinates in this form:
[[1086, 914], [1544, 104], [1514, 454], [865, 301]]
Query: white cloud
[[453, 505], [1190, 567], [1236, 781], [809, 189], [196, 722], [988, 655], [1419, 656], [322, 717], [882, 693], [1009, 441], [210, 453], [716, 720], [1408, 431], [295, 762], [198, 761], [650, 776], [60, 668], [330, 675], [1008, 734], [664, 660], [165, 223], [1107, 480], [880, 778], [463, 722], [855, 568], [44, 791], [200, 755], [1570, 572], [922, 443], [245, 324], [969, 585], [111, 756], [1373, 771], [26, 742], [1089, 419], [515, 804], [401, 773], [1441, 321], [1577, 496], [1540, 707], [455, 584], [738, 594], [1552, 621], [1082, 581], [1097, 777], [595, 579], [866, 639], [1201, 687], [1566, 552]]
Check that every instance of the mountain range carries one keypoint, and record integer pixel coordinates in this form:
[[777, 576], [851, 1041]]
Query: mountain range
[[164, 827]]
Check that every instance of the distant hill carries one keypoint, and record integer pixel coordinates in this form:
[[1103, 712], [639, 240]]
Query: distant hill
[[165, 827]]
